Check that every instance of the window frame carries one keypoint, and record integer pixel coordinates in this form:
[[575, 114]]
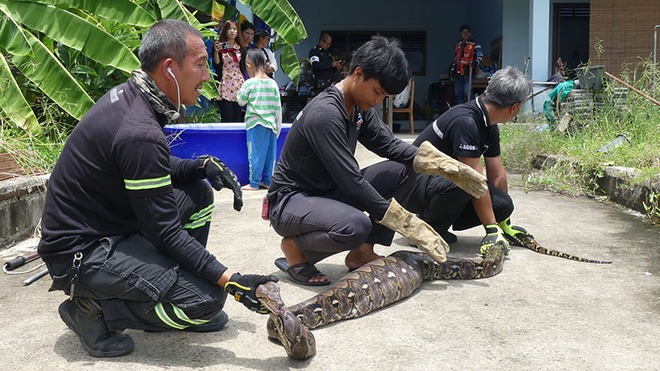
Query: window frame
[[346, 42]]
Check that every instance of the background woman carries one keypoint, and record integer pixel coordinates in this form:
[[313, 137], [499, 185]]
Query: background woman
[[226, 62]]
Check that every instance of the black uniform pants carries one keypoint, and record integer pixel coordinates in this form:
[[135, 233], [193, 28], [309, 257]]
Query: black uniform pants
[[324, 226], [140, 287], [442, 204]]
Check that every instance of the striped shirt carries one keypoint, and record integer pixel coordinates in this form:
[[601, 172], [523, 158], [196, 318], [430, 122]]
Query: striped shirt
[[262, 97]]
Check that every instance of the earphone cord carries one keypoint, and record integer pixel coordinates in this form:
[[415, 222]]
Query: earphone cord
[[178, 94]]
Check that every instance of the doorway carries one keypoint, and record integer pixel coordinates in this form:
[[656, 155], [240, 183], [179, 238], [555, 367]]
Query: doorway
[[570, 39]]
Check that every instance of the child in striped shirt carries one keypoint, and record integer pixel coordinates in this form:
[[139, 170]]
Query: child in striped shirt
[[263, 119]]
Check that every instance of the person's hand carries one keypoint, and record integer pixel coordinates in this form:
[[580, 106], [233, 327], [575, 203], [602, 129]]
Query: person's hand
[[430, 160], [475, 64], [417, 231], [221, 176], [514, 234], [244, 287], [494, 235], [217, 46]]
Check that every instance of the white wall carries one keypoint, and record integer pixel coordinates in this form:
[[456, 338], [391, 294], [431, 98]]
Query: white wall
[[516, 25], [539, 30]]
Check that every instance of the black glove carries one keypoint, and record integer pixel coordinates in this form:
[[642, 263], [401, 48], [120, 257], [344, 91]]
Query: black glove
[[243, 289], [220, 175], [475, 64]]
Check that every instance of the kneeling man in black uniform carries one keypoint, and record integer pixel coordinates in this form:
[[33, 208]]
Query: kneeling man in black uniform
[[467, 132], [125, 224], [319, 194]]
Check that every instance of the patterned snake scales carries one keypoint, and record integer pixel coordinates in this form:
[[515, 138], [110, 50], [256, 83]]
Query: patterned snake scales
[[370, 287], [374, 286]]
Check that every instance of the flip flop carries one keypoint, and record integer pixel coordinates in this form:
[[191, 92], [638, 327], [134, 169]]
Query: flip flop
[[301, 273]]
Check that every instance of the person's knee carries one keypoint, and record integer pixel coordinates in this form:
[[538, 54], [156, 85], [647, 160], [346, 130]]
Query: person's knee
[[503, 207], [410, 176], [405, 177], [207, 306], [355, 229]]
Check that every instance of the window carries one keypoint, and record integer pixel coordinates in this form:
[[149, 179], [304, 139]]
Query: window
[[413, 44]]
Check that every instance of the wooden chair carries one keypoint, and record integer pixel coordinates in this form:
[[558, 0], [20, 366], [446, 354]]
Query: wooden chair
[[409, 108]]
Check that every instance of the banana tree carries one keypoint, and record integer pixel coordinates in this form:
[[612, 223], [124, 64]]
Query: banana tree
[[281, 17], [106, 32]]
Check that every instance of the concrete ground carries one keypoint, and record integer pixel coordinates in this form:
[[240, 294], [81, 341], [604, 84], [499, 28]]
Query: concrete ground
[[541, 312]]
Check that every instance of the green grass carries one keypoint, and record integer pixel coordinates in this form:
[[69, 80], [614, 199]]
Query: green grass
[[37, 154], [582, 163], [639, 120]]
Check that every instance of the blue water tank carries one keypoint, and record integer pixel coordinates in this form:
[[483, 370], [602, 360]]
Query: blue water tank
[[226, 141]]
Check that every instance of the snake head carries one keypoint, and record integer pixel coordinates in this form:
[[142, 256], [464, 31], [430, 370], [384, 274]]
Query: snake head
[[269, 295]]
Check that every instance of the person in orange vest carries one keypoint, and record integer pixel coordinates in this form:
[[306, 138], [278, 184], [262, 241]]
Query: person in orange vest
[[467, 53]]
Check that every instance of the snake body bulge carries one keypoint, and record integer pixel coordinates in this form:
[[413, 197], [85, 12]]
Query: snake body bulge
[[387, 280]]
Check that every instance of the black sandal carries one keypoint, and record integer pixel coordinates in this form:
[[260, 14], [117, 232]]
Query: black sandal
[[301, 273]]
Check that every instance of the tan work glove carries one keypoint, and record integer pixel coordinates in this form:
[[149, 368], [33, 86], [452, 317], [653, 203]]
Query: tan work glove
[[415, 230], [430, 160]]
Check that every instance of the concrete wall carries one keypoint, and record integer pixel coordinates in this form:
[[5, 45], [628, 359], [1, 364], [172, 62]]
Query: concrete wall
[[21, 204]]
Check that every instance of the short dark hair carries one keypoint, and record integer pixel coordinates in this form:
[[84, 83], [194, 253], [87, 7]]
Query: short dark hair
[[257, 57], [465, 27], [324, 36], [245, 25], [384, 60], [165, 39]]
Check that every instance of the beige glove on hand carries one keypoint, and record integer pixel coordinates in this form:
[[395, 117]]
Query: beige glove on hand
[[415, 230], [430, 160]]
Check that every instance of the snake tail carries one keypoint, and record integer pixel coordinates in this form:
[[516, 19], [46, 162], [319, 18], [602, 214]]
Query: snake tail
[[529, 242]]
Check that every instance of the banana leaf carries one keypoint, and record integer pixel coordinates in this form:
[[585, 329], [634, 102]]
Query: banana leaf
[[54, 80], [12, 36], [290, 64], [122, 11], [281, 17], [74, 32], [206, 7], [15, 107], [176, 10]]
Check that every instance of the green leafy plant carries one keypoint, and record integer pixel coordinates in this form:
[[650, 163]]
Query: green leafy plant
[[653, 207], [619, 111], [203, 115], [87, 46]]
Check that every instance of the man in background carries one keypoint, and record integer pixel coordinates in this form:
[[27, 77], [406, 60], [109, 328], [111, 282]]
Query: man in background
[[326, 68], [467, 57]]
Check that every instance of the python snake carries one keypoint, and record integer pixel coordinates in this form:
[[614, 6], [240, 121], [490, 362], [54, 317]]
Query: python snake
[[375, 285], [527, 240]]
